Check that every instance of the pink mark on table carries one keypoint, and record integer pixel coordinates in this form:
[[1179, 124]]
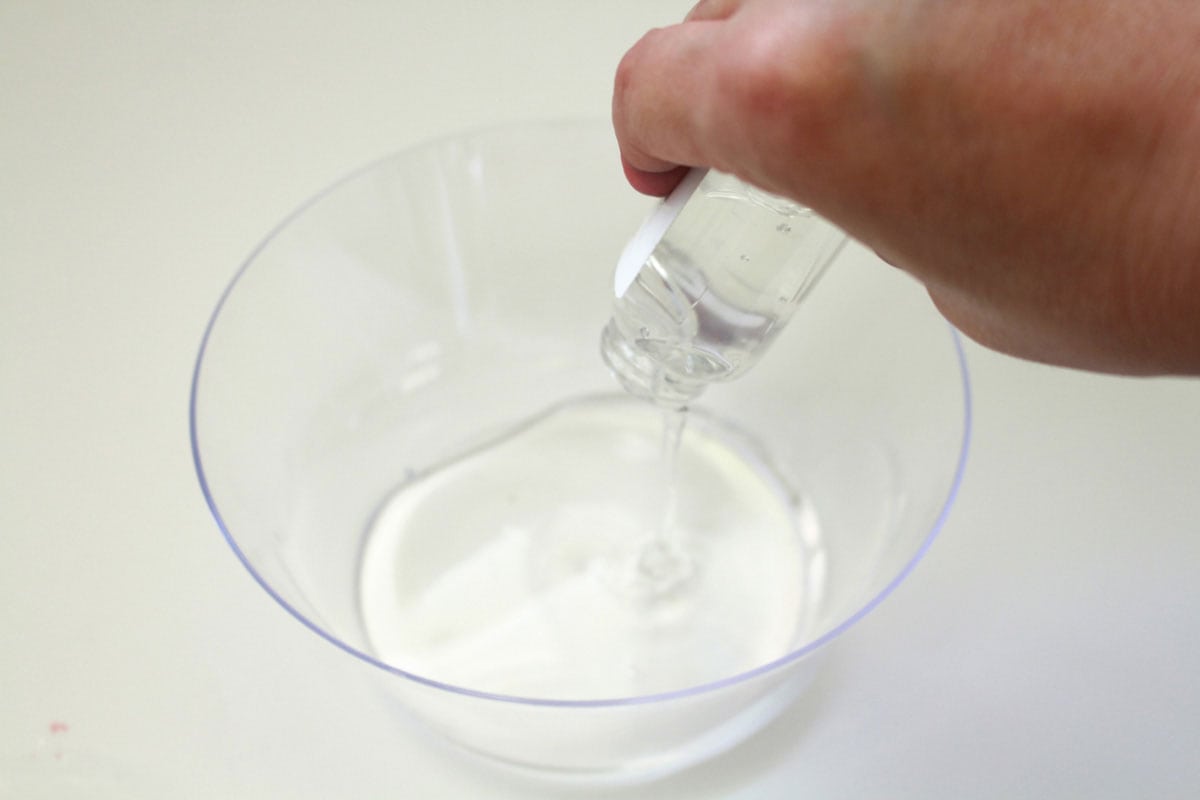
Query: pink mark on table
[[59, 727]]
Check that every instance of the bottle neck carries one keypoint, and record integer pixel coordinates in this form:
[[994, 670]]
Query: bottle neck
[[644, 376]]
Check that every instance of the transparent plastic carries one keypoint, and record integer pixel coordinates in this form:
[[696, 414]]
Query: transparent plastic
[[401, 424], [719, 287]]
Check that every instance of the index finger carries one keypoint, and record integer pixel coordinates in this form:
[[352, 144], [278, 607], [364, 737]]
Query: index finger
[[661, 97]]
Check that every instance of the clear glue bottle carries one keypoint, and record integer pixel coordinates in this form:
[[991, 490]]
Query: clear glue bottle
[[707, 283]]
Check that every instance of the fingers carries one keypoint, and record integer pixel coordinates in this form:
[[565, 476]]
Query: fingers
[[740, 86], [664, 81], [657, 177], [661, 98], [656, 184]]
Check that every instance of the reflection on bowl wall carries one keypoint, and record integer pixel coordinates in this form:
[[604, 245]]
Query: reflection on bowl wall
[[404, 429]]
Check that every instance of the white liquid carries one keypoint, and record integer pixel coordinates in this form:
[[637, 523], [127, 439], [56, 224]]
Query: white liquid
[[536, 566]]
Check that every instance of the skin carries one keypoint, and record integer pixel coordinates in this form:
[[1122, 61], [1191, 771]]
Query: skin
[[1035, 163]]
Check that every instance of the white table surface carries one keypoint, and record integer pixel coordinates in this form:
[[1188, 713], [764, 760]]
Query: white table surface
[[1048, 647]]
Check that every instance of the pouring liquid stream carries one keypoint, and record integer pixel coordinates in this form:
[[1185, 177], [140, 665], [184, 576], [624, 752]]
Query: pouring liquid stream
[[665, 562], [701, 291]]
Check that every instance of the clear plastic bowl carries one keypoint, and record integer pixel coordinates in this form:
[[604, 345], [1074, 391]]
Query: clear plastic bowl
[[403, 427]]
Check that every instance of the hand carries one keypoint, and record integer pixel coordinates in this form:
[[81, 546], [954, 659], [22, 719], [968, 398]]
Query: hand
[[1036, 163]]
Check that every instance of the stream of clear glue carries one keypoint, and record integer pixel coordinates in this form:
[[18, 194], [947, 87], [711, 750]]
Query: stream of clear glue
[[665, 562], [674, 422]]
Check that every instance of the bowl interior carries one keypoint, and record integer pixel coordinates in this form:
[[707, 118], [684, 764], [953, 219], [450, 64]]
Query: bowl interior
[[447, 302]]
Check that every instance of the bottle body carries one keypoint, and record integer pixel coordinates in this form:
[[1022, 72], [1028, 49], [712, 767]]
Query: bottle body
[[727, 275]]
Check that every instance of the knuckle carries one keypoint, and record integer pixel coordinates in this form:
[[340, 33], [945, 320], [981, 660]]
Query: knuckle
[[631, 78], [774, 84], [630, 67]]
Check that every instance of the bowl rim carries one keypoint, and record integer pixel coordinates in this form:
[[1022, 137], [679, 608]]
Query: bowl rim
[[793, 656]]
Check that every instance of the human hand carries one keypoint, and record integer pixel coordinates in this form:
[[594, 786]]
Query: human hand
[[1035, 163]]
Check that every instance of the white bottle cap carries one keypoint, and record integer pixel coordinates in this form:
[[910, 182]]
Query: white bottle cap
[[637, 251]]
